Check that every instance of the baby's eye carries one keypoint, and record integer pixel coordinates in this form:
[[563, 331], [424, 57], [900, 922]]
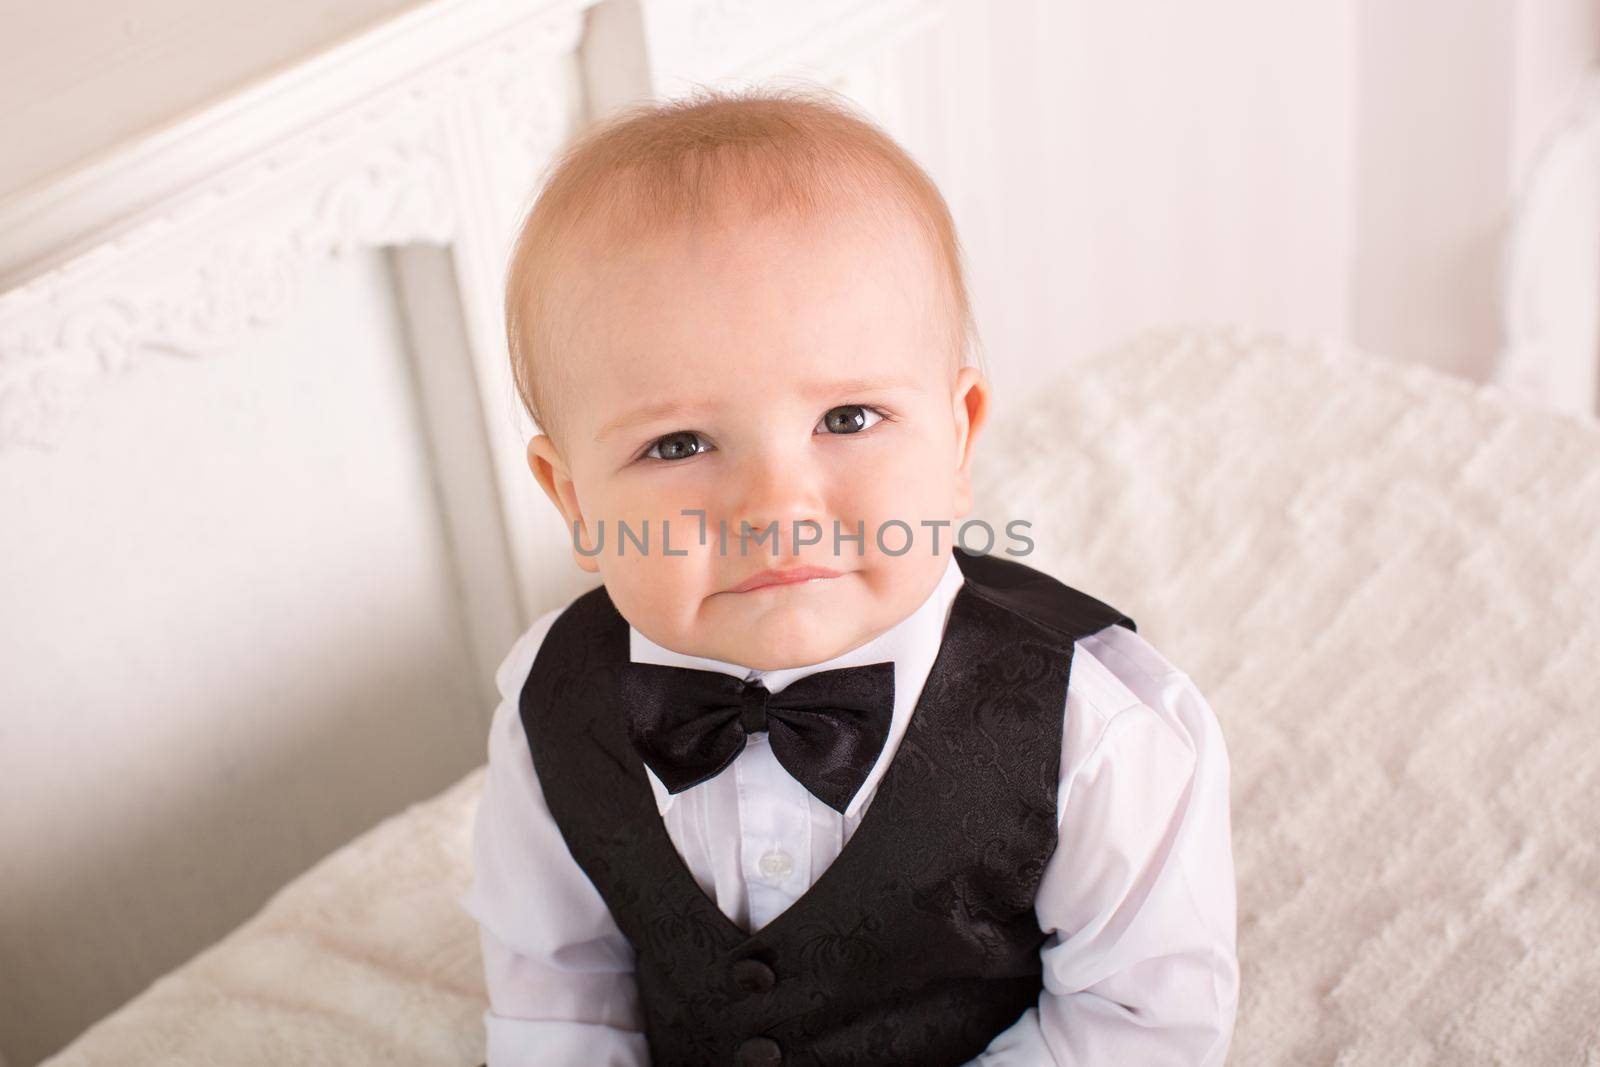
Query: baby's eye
[[849, 418], [675, 446]]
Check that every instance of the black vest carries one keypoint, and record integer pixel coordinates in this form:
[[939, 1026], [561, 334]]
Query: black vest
[[919, 943]]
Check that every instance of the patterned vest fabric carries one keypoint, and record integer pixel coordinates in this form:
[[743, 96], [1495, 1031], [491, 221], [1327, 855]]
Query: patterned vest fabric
[[919, 943]]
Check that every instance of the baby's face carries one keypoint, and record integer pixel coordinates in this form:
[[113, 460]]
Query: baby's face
[[762, 373]]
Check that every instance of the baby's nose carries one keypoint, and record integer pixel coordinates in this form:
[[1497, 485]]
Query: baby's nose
[[773, 505]]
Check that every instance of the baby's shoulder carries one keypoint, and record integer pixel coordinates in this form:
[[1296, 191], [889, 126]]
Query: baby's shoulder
[[1129, 654], [513, 670], [1116, 668], [1108, 672], [1160, 714]]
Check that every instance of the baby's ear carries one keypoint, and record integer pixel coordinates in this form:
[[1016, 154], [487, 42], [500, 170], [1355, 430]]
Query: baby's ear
[[970, 401], [551, 472]]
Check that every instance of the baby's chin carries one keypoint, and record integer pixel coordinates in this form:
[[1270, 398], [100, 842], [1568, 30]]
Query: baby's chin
[[793, 625]]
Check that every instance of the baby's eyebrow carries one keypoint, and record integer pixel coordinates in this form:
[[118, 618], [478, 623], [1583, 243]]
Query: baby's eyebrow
[[643, 414], [819, 390], [863, 384]]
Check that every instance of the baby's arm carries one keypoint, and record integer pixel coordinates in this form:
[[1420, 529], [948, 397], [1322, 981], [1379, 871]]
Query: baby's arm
[[559, 972], [1138, 899]]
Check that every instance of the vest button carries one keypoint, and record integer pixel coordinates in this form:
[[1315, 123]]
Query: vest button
[[760, 1052], [753, 976]]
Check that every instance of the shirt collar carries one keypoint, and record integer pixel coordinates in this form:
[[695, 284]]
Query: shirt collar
[[911, 644]]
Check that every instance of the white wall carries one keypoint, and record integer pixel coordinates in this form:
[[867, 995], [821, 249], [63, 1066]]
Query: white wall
[[91, 74], [1343, 169], [1117, 166]]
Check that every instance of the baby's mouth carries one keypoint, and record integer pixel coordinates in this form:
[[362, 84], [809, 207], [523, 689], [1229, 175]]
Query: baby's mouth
[[781, 576]]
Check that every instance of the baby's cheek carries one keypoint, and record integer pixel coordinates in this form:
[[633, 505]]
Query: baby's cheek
[[862, 510], [914, 487], [659, 594], [647, 498]]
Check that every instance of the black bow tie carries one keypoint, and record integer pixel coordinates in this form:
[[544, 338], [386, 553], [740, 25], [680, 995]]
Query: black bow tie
[[827, 728]]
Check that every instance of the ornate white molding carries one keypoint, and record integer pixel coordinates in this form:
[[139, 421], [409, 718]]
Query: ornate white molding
[[395, 156], [189, 284]]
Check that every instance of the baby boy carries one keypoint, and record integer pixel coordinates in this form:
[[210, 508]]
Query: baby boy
[[805, 781]]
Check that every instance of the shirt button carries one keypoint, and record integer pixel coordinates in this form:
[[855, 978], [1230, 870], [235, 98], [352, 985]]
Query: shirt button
[[777, 864]]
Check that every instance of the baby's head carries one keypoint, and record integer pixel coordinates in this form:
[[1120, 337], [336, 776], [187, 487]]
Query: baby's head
[[747, 312]]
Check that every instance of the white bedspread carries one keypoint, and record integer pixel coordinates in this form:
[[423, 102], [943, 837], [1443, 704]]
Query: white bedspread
[[1387, 582]]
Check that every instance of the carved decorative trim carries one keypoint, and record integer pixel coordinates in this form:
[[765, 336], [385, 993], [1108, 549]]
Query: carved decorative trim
[[402, 164]]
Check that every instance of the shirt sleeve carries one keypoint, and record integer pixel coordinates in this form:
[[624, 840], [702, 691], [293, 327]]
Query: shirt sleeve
[[558, 971], [1138, 900]]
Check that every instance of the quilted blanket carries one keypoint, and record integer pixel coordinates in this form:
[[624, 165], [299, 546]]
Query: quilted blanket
[[1386, 582]]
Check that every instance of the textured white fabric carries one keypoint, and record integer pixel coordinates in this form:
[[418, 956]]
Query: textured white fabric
[[1141, 967], [1383, 579]]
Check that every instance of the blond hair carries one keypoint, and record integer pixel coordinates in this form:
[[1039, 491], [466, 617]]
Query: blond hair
[[654, 166]]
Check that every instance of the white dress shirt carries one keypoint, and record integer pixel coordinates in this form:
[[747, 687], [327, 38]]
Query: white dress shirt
[[1137, 899]]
